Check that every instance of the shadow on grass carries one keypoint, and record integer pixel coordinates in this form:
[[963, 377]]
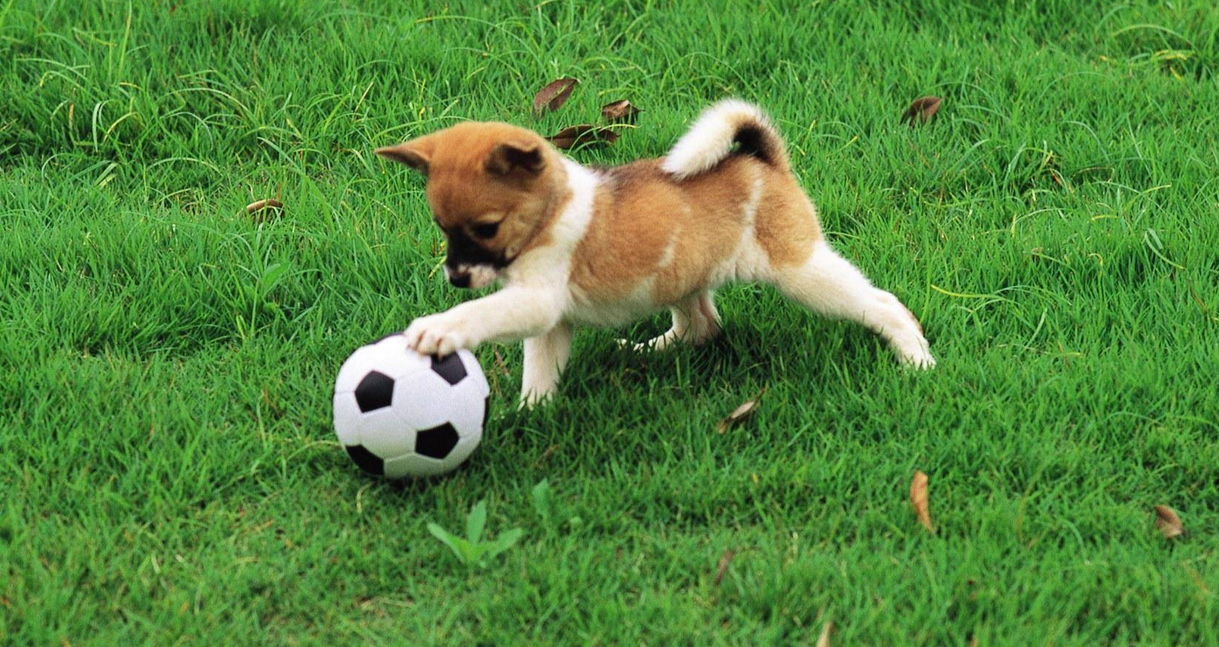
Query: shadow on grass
[[606, 384], [740, 355], [608, 390]]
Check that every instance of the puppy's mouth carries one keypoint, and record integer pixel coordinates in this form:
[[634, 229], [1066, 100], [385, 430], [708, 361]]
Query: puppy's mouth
[[472, 276]]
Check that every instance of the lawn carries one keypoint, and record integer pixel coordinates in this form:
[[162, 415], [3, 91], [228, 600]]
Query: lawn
[[169, 470]]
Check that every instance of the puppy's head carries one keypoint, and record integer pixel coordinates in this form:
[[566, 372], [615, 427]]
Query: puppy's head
[[489, 186]]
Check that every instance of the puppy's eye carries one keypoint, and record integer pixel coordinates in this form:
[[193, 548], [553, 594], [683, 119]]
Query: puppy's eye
[[485, 230]]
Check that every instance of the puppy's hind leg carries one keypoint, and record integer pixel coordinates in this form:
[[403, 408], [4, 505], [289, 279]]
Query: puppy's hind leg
[[704, 318], [828, 284], [545, 358], [695, 320]]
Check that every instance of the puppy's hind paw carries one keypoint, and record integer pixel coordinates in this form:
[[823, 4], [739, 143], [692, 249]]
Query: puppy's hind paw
[[630, 345], [655, 344]]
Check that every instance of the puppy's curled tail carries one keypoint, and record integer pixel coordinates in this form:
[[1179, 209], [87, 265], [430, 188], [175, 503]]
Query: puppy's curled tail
[[730, 127]]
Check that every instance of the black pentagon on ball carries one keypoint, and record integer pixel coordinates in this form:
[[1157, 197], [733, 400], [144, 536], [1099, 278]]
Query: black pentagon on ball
[[366, 460], [375, 391], [449, 367], [436, 442]]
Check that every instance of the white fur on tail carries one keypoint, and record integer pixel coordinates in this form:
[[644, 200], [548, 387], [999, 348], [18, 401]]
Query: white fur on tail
[[712, 136]]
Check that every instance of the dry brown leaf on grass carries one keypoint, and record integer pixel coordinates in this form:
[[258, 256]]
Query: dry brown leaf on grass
[[264, 210], [722, 568], [824, 639], [921, 111], [499, 361], [918, 499], [743, 411], [620, 111], [554, 95], [269, 203], [582, 135], [1168, 522]]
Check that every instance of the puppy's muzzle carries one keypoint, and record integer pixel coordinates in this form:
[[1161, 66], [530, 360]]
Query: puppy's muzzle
[[474, 277], [458, 279]]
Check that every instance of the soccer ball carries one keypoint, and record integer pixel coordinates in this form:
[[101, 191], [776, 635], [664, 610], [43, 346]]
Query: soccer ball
[[401, 414]]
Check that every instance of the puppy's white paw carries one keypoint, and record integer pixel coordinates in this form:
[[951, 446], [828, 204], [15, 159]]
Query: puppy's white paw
[[438, 334], [924, 362], [914, 352], [627, 344], [655, 344], [533, 398]]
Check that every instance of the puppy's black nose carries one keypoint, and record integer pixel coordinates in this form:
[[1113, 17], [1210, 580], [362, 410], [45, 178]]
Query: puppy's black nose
[[459, 279]]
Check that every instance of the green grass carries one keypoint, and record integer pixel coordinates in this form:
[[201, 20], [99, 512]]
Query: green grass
[[168, 469]]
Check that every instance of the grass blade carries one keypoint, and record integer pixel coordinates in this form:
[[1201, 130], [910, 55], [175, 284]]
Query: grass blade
[[476, 522]]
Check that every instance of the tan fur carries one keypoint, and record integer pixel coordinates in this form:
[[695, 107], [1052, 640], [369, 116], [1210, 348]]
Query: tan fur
[[641, 210]]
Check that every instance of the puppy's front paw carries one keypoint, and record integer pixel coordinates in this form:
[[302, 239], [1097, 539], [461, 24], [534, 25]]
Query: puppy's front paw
[[437, 334], [532, 398]]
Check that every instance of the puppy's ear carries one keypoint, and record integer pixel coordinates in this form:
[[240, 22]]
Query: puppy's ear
[[516, 158], [417, 153]]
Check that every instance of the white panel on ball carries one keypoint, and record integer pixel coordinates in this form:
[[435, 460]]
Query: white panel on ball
[[475, 372], [347, 418], [470, 400], [416, 466], [465, 446], [384, 433], [423, 399], [398, 360]]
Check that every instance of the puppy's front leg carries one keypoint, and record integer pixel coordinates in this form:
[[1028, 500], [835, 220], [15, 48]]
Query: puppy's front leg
[[511, 314], [545, 357]]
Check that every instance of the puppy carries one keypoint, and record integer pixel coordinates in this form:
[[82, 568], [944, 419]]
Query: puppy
[[576, 246]]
